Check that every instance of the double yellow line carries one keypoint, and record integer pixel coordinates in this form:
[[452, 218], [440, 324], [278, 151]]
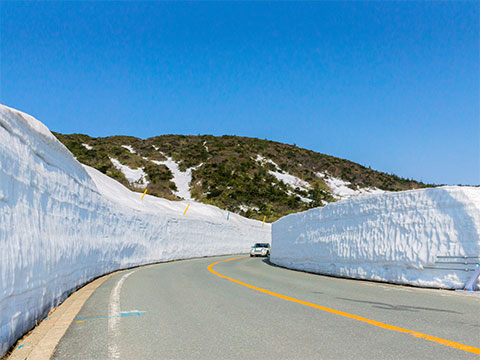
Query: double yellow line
[[379, 324]]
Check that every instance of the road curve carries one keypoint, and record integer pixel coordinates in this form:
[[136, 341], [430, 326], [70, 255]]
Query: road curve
[[191, 310]]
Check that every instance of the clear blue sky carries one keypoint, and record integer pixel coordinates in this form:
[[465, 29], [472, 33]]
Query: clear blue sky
[[394, 86]]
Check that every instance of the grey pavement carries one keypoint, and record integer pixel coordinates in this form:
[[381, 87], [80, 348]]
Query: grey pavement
[[180, 310]]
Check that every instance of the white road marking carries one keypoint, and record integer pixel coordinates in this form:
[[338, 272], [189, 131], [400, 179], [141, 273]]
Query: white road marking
[[113, 320]]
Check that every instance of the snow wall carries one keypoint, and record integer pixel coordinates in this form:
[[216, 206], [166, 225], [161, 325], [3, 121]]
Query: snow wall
[[63, 224], [417, 237]]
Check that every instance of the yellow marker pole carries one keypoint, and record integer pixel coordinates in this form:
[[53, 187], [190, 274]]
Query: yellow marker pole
[[143, 194], [186, 210], [264, 220]]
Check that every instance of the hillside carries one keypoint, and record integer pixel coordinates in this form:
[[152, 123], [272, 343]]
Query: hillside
[[248, 176]]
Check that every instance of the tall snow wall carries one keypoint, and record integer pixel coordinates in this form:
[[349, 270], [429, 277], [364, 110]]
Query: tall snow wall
[[418, 237], [63, 224]]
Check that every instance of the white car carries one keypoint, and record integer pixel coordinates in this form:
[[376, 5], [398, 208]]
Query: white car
[[260, 249]]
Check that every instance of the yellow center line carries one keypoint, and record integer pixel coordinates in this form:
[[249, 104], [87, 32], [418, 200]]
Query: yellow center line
[[416, 334]]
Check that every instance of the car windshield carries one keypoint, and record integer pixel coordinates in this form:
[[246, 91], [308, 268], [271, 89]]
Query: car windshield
[[261, 245]]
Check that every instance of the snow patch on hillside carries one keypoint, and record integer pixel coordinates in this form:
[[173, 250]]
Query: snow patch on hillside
[[136, 177], [129, 148], [182, 179], [342, 189], [245, 208], [290, 180], [263, 160]]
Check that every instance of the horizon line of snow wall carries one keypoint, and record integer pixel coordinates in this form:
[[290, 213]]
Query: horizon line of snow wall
[[58, 231], [393, 237]]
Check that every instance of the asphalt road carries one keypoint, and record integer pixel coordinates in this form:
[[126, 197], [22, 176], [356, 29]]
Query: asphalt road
[[181, 310]]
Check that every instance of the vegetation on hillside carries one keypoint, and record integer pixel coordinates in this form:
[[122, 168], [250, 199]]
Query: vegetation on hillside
[[227, 171]]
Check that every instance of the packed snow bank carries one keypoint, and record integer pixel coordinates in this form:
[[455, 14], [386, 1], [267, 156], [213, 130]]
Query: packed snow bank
[[62, 224], [418, 237]]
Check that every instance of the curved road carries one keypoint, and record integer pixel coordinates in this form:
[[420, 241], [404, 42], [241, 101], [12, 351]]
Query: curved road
[[183, 310]]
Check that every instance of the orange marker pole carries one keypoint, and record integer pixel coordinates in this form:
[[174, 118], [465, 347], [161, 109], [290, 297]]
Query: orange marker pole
[[143, 194], [186, 210], [264, 220]]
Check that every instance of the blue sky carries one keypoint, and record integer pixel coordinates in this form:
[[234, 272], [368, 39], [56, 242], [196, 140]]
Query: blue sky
[[394, 86]]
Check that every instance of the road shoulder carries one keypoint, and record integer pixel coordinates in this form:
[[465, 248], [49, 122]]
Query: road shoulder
[[40, 343]]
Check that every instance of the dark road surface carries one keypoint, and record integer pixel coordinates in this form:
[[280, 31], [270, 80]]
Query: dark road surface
[[181, 310]]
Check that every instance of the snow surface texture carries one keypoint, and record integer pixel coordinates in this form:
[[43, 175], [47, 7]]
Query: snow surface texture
[[63, 224], [395, 237]]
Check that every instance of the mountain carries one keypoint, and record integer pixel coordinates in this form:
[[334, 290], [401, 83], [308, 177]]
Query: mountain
[[248, 176]]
